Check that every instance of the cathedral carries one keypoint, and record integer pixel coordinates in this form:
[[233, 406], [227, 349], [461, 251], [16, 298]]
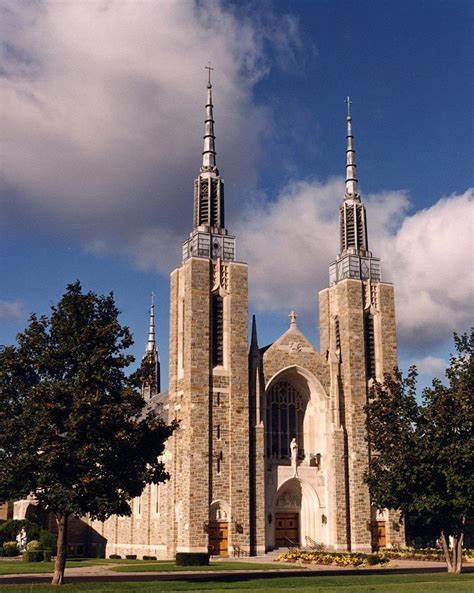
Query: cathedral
[[270, 451]]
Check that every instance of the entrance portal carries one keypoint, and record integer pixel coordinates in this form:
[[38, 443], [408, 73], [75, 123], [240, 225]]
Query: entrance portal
[[287, 529], [379, 539], [218, 538]]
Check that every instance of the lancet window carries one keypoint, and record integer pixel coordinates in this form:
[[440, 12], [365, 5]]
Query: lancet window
[[217, 330], [284, 420]]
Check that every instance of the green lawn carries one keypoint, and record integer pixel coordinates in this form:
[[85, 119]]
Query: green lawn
[[436, 583], [21, 567], [140, 566], [131, 566]]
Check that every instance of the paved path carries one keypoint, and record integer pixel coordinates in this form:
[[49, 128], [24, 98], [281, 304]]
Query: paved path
[[104, 572]]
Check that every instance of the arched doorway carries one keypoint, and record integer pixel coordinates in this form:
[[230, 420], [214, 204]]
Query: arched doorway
[[297, 511], [287, 514], [219, 529]]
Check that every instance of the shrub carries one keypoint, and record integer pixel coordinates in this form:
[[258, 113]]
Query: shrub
[[48, 540], [192, 559], [11, 528], [131, 556], [11, 549], [2, 552], [332, 558], [115, 556], [33, 546], [149, 557], [33, 556]]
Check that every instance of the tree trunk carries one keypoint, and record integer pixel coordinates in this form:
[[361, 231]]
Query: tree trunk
[[454, 557], [60, 563], [458, 553]]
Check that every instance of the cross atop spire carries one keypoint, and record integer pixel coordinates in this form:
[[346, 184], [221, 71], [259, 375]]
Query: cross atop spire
[[208, 68], [293, 317]]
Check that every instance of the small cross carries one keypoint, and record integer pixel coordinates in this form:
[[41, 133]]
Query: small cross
[[349, 103], [209, 70]]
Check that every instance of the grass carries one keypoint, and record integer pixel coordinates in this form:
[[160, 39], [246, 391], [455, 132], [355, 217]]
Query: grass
[[164, 566], [425, 583], [20, 567]]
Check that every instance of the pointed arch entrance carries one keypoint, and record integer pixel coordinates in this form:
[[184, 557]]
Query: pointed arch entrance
[[296, 511]]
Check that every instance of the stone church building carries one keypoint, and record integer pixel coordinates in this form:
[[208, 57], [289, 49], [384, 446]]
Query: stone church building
[[271, 448]]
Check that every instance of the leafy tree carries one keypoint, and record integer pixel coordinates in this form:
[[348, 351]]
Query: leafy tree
[[423, 460], [73, 429]]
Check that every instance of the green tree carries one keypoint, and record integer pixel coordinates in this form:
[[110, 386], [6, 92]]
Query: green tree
[[423, 454], [73, 427]]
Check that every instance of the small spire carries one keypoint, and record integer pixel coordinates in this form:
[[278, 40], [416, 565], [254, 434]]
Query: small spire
[[152, 383], [254, 340], [351, 172], [151, 344], [209, 151], [293, 317]]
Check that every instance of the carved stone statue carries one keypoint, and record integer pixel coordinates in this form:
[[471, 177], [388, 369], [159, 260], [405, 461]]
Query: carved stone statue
[[21, 540], [294, 456]]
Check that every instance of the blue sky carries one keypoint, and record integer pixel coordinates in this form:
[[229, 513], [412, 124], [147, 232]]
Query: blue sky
[[103, 118]]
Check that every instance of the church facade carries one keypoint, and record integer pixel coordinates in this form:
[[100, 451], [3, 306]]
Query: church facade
[[270, 451]]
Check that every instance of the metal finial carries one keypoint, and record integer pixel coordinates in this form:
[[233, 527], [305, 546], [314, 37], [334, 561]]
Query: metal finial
[[349, 103], [208, 68], [152, 294]]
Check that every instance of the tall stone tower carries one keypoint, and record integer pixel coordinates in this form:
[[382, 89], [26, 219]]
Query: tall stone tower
[[208, 457], [357, 321]]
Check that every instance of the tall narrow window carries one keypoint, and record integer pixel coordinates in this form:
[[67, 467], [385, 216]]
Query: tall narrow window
[[369, 345], [215, 203], [217, 330], [204, 202], [338, 335]]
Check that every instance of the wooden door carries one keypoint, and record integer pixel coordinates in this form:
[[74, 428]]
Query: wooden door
[[379, 539], [287, 529], [218, 538]]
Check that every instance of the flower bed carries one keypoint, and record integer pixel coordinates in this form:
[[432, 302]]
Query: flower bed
[[332, 558], [428, 554]]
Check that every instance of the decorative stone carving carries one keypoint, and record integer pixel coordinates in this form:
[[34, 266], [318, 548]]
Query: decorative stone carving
[[288, 500], [296, 347], [220, 276]]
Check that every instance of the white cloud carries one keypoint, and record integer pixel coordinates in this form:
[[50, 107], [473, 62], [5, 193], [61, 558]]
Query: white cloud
[[431, 261], [432, 366], [11, 310], [103, 112], [427, 255]]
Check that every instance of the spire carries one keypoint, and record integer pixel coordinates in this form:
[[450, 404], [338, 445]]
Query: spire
[[351, 172], [354, 260], [152, 381], [254, 339], [151, 344], [209, 150], [209, 237]]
